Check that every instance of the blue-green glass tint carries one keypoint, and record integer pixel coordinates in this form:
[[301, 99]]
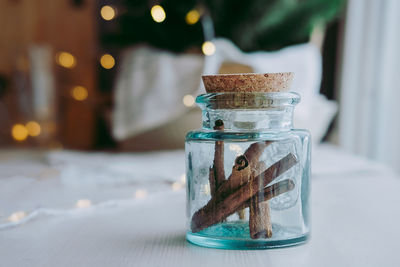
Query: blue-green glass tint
[[248, 183]]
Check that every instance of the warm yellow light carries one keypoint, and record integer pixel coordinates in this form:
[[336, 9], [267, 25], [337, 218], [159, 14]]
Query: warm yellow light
[[192, 17], [183, 179], [19, 132], [140, 193], [107, 61], [107, 12], [208, 48], [188, 100], [66, 60], [33, 128], [177, 186], [17, 216], [158, 13], [83, 203], [79, 93]]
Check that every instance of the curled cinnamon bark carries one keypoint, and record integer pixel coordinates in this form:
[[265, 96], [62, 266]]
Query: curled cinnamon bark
[[254, 168], [246, 166], [218, 209]]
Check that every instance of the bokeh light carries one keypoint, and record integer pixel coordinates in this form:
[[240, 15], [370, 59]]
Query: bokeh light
[[79, 93], [188, 100], [17, 216], [208, 48], [158, 13], [19, 132], [140, 193], [107, 61], [66, 60], [33, 128], [107, 12], [177, 186], [183, 178], [192, 17], [83, 203]]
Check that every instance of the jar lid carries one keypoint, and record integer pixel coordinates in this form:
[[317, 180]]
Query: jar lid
[[248, 82]]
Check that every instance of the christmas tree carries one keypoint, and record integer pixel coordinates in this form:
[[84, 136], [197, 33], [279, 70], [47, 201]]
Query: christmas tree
[[252, 25]]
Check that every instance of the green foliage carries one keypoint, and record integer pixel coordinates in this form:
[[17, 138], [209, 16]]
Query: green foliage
[[251, 24]]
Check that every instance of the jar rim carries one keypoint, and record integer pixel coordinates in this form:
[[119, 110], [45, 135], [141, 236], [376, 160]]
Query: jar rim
[[247, 100]]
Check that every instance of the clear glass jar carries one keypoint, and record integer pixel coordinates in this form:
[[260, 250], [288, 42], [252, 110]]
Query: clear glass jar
[[248, 173]]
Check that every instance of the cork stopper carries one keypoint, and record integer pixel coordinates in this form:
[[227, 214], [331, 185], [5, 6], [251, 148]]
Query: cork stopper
[[248, 82]]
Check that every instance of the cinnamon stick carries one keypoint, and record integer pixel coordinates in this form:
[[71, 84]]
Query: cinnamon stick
[[245, 166], [217, 172], [256, 169], [272, 191], [211, 179], [260, 224], [216, 210], [241, 173], [260, 218]]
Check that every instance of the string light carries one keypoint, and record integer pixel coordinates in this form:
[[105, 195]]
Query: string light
[[66, 60], [183, 178], [17, 216], [157, 13], [19, 132], [208, 48], [107, 12], [79, 93], [177, 186], [33, 128], [192, 17], [83, 203], [107, 61], [140, 193], [188, 100]]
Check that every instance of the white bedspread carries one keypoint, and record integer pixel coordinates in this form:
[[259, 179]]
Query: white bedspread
[[98, 209]]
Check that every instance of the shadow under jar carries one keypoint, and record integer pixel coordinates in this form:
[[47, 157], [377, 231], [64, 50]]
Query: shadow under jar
[[248, 173]]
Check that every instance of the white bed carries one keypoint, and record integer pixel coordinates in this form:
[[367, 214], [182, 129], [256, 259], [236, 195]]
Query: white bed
[[97, 209]]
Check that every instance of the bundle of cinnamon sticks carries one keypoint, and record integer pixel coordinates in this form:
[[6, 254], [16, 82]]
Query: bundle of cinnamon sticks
[[248, 186]]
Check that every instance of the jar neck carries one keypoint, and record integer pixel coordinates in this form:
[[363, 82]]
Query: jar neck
[[249, 111], [250, 120]]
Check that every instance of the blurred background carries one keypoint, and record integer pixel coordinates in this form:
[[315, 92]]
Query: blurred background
[[123, 75]]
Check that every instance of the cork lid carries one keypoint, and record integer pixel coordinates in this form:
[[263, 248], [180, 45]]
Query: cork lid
[[248, 82]]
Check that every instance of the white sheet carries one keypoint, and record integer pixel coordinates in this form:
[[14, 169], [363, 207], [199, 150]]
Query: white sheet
[[138, 217]]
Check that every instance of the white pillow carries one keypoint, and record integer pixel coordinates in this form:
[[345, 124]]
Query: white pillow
[[151, 84]]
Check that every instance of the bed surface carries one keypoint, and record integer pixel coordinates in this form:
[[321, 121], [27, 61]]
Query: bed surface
[[65, 208]]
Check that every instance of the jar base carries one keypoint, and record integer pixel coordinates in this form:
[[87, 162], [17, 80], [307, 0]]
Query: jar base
[[223, 243]]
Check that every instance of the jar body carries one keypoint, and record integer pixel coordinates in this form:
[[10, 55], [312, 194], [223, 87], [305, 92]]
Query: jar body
[[263, 198]]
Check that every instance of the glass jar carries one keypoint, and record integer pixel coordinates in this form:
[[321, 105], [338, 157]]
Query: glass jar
[[248, 173]]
